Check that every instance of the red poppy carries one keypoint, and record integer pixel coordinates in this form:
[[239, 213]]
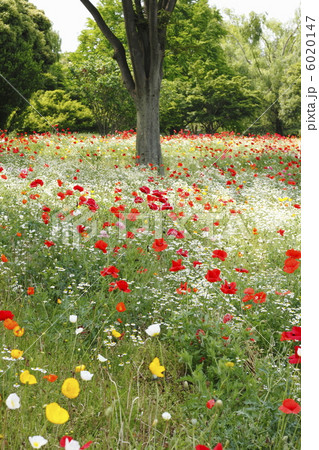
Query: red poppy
[[197, 263], [80, 228], [78, 188], [30, 291], [227, 318], [182, 252], [218, 446], [201, 447], [242, 270], [293, 335], [120, 307], [295, 358], [5, 314], [295, 254], [178, 234], [183, 289], [111, 270], [221, 254], [259, 297], [291, 265], [45, 217], [49, 243], [159, 245], [133, 215], [122, 285], [63, 439], [36, 183], [61, 195], [210, 403], [282, 293], [101, 245], [213, 275], [229, 288], [145, 189], [289, 406], [91, 203], [281, 232], [176, 266], [87, 445], [249, 294]]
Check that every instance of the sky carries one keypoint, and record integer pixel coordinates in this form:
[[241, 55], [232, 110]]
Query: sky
[[69, 16]]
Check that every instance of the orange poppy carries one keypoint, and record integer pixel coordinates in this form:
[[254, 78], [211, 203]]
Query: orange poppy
[[10, 324], [51, 377], [120, 307]]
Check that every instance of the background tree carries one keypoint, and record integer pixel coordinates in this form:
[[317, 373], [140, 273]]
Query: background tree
[[201, 90], [145, 27], [194, 57], [57, 109], [28, 47], [265, 51], [96, 82]]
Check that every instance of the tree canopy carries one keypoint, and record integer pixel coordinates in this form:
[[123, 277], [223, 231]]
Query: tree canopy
[[28, 47]]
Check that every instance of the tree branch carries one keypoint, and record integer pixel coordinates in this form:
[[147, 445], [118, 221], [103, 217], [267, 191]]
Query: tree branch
[[119, 51], [286, 43], [136, 51], [241, 47]]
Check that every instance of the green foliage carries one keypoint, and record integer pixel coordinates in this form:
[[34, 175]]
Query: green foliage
[[290, 105], [28, 48], [221, 102], [97, 83], [193, 36], [268, 53], [173, 105], [56, 109], [191, 92]]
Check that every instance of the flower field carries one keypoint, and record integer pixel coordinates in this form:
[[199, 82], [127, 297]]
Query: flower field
[[142, 310]]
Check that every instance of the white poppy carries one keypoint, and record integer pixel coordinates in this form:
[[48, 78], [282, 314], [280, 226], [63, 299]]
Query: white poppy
[[72, 445], [79, 330], [101, 358], [73, 318], [166, 416], [153, 330], [13, 401], [86, 375], [37, 441]]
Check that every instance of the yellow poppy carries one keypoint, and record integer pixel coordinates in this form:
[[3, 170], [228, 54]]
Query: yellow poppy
[[55, 414], [116, 334], [27, 378], [18, 331], [70, 388], [16, 353], [156, 368]]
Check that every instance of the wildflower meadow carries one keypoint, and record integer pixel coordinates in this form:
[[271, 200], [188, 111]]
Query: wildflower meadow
[[144, 308]]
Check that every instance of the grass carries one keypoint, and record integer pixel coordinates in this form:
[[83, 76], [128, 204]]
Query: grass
[[241, 362]]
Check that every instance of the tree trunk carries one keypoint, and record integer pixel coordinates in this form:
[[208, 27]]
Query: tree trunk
[[279, 128], [145, 26], [148, 146]]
